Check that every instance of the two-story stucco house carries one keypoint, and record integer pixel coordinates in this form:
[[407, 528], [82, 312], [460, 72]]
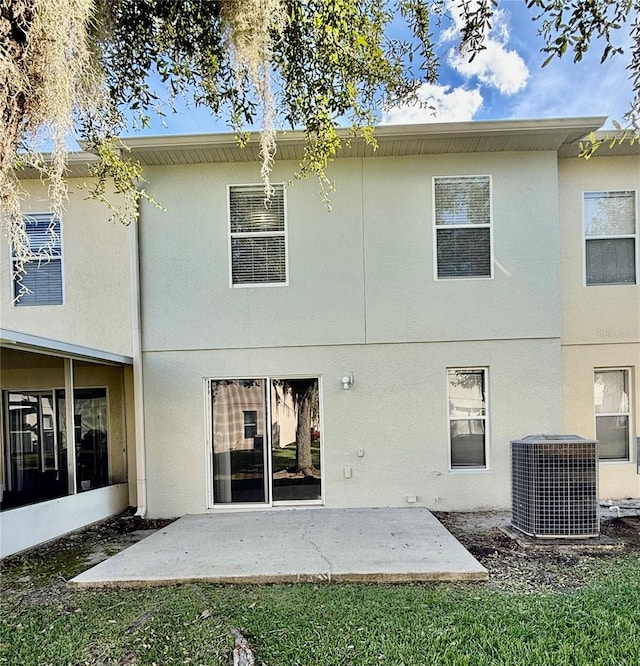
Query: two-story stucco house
[[66, 357], [472, 283]]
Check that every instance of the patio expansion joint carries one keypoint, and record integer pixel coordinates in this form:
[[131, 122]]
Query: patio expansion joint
[[306, 537]]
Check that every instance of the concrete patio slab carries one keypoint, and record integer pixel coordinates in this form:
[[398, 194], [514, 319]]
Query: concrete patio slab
[[293, 545]]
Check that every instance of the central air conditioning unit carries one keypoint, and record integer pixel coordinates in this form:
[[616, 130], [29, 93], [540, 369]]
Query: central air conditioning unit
[[554, 486]]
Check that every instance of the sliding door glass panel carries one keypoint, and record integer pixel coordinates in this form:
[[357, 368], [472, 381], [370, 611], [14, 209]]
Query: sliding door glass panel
[[239, 416], [91, 435], [295, 439], [91, 424], [24, 440], [36, 460]]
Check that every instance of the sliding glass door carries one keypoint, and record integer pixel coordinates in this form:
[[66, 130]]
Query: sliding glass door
[[266, 440], [37, 468], [36, 452]]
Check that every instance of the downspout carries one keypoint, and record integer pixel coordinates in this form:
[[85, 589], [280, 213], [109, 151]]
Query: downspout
[[138, 398]]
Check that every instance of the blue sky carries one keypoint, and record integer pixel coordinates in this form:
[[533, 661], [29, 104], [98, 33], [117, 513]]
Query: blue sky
[[506, 81]]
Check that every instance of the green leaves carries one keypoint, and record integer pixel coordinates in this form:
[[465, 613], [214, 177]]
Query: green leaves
[[575, 25], [315, 64], [117, 180]]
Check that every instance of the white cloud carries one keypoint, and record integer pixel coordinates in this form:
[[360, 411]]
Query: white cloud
[[496, 65], [440, 103]]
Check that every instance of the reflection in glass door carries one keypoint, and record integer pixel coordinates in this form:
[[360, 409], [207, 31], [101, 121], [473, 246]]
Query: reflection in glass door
[[91, 416], [239, 414], [37, 462], [266, 440], [295, 443]]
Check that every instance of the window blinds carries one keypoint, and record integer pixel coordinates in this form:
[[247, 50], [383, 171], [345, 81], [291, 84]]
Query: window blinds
[[41, 281], [611, 261], [610, 237], [464, 253], [258, 240], [462, 200], [463, 226]]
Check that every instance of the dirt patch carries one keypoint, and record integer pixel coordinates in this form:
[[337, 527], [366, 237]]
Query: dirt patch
[[547, 567], [625, 529], [40, 575]]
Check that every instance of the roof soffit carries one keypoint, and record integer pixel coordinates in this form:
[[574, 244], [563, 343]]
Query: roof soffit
[[393, 141], [561, 135]]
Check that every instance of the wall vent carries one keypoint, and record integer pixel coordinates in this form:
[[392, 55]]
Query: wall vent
[[554, 486]]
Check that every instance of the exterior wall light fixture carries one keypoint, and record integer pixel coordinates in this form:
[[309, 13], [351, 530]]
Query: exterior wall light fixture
[[347, 381]]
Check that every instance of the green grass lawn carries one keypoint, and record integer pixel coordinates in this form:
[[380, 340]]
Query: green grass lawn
[[322, 625]]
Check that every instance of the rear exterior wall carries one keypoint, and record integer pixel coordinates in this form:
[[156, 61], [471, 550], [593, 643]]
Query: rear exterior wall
[[362, 298]]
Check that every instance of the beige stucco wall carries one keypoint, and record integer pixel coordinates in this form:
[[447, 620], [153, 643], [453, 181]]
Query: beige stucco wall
[[405, 303], [600, 324], [186, 299], [616, 479], [96, 274], [396, 411], [361, 298], [594, 314], [360, 273]]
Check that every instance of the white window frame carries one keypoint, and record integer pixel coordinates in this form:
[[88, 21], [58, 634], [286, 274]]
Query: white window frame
[[488, 225], [485, 418], [257, 234], [628, 413], [586, 238], [39, 258]]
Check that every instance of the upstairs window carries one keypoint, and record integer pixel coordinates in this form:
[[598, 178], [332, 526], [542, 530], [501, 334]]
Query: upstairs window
[[463, 227], [610, 230], [40, 283], [258, 244]]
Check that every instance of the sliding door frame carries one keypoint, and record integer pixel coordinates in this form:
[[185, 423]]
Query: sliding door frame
[[267, 448]]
